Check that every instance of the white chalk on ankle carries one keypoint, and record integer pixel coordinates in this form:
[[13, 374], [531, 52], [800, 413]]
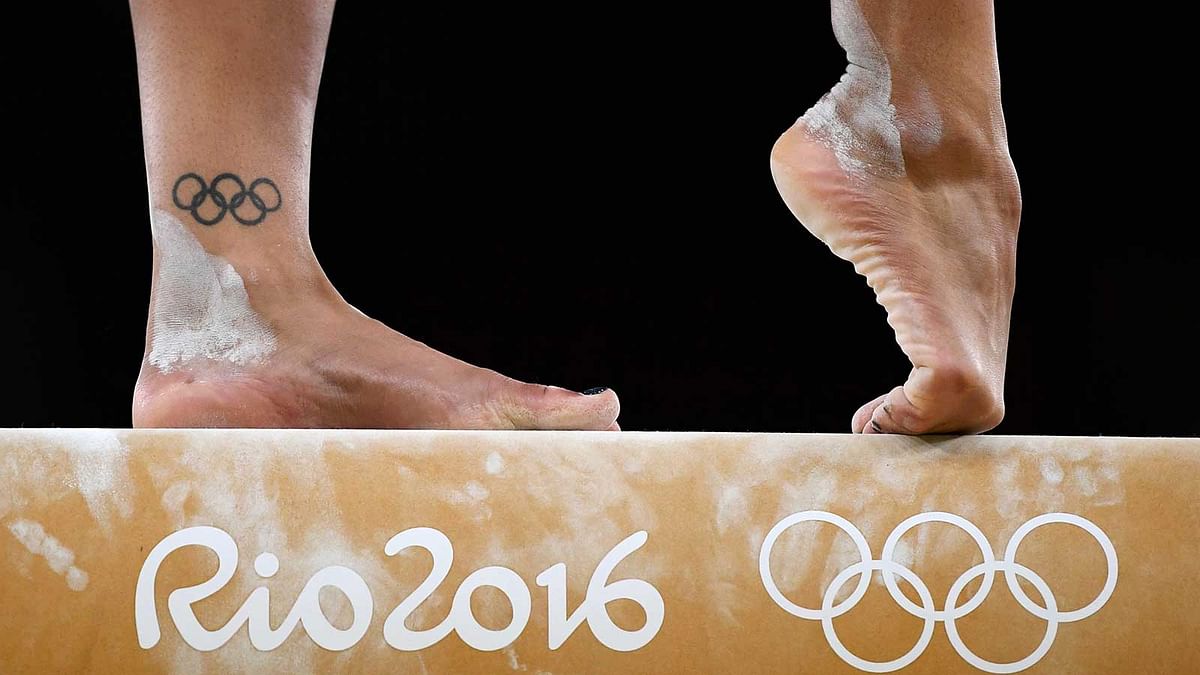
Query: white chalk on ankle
[[201, 309], [856, 119], [921, 123]]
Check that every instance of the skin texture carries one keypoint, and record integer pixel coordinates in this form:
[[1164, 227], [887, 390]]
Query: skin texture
[[936, 236], [220, 93]]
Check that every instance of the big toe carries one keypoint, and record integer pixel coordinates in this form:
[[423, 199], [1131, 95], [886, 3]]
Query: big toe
[[893, 413], [535, 406], [860, 423]]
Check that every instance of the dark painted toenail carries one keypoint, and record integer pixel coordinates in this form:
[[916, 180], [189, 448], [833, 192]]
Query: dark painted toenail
[[876, 427], [594, 390]]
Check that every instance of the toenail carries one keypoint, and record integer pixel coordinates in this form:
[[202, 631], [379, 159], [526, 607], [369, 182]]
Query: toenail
[[876, 427], [594, 390]]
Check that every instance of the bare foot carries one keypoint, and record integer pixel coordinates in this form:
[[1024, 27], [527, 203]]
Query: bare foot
[[334, 367], [228, 351], [932, 227]]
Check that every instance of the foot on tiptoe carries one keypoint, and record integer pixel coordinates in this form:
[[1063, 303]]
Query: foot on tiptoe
[[932, 225]]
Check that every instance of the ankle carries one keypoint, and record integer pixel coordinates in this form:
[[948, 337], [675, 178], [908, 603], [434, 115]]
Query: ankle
[[937, 88], [935, 125], [276, 282], [276, 264], [228, 307]]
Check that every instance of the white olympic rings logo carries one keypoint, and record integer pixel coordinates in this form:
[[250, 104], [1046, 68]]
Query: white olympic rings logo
[[927, 611]]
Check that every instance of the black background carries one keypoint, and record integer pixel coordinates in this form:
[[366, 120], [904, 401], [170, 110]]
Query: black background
[[582, 198]]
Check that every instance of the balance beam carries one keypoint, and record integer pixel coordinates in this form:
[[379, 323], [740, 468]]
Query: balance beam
[[570, 552]]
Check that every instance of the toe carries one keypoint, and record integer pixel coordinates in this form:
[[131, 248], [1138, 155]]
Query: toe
[[895, 414], [535, 406], [860, 423]]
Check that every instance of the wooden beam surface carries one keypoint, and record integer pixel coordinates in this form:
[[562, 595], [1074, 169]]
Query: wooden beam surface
[[562, 552]]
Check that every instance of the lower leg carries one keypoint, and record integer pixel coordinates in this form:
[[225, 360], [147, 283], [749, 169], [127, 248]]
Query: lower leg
[[903, 169], [245, 329]]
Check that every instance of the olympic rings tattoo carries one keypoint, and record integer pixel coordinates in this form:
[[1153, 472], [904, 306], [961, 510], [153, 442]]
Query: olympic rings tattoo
[[951, 611], [226, 203]]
